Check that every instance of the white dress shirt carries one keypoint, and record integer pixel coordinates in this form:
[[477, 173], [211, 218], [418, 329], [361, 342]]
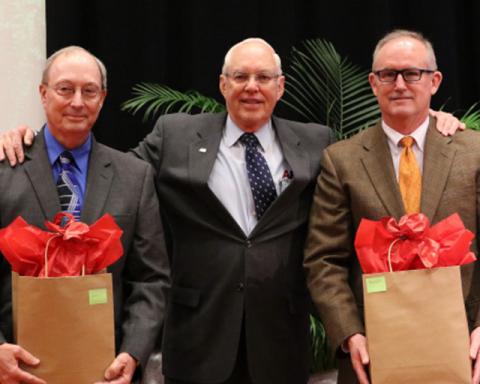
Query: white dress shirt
[[394, 137], [229, 180]]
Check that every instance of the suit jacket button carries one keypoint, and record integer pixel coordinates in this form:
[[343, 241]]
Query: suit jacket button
[[248, 243], [240, 287]]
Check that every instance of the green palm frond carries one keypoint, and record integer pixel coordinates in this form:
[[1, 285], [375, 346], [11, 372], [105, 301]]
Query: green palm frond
[[327, 89], [471, 118], [323, 358], [156, 98]]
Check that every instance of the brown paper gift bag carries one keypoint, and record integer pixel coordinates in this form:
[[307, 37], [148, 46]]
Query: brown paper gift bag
[[67, 322], [417, 327]]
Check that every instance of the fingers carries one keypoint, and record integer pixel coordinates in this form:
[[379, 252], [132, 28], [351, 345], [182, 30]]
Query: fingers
[[357, 345], [11, 144], [121, 370], [115, 369], [476, 373], [359, 360], [10, 354], [25, 356], [27, 378], [447, 124], [28, 136], [474, 354]]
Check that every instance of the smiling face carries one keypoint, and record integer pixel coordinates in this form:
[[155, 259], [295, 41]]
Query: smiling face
[[250, 103], [404, 105], [71, 116]]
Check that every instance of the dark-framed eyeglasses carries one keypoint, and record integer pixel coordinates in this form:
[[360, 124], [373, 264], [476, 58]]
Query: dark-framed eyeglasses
[[262, 78], [67, 90], [410, 75]]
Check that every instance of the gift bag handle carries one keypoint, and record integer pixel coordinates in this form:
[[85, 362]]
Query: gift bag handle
[[390, 252], [46, 255]]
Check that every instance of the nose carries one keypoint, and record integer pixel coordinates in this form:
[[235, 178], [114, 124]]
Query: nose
[[400, 82], [77, 99], [251, 84]]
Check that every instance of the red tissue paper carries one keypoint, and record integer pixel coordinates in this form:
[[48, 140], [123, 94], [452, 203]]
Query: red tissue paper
[[415, 245], [69, 248]]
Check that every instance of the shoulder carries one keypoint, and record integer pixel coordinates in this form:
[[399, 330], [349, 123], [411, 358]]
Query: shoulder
[[467, 138], [311, 135], [121, 160], [179, 120], [305, 129], [357, 142]]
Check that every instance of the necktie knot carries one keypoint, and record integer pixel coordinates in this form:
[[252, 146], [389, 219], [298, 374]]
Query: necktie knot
[[407, 142], [249, 140], [66, 158]]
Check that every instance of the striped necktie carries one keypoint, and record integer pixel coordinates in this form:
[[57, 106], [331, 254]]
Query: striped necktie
[[68, 187]]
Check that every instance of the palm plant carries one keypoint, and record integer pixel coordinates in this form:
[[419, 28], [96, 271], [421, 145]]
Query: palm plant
[[471, 118], [324, 87], [160, 98]]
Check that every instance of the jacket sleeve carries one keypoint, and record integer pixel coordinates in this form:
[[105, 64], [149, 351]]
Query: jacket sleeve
[[146, 277], [328, 255]]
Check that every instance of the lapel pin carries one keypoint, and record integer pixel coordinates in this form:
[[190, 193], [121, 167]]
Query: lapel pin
[[202, 150]]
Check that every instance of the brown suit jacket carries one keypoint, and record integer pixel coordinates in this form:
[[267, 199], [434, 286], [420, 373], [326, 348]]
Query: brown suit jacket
[[358, 181]]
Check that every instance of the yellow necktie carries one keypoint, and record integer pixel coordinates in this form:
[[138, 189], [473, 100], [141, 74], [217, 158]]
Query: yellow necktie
[[409, 177]]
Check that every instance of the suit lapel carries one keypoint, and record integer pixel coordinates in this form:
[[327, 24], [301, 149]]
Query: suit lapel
[[377, 162], [437, 162], [202, 156], [39, 171], [99, 182], [299, 162], [203, 151]]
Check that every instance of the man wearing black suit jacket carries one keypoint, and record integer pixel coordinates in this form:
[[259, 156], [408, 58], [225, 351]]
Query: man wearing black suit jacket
[[238, 310]]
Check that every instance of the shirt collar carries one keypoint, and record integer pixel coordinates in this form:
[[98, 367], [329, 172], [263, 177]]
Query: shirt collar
[[265, 134], [418, 135], [80, 154]]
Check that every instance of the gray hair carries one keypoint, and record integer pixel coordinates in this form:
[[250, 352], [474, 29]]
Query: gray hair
[[228, 56], [398, 33], [66, 51]]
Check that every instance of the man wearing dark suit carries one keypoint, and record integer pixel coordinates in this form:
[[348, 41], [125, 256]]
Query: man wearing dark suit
[[238, 309], [72, 91], [363, 178]]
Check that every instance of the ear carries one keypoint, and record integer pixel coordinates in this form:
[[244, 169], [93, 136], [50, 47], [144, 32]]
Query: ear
[[280, 87], [42, 89], [372, 79], [436, 81], [223, 84], [102, 98]]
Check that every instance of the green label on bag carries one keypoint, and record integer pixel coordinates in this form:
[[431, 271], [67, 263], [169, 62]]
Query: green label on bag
[[376, 284], [97, 296]]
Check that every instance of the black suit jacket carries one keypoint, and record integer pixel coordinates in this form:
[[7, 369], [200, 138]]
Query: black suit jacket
[[117, 184], [222, 280]]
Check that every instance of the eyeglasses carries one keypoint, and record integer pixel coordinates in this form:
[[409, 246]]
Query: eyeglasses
[[410, 75], [66, 90], [262, 78]]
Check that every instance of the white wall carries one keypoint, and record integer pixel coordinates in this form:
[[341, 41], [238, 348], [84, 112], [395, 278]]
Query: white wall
[[23, 50]]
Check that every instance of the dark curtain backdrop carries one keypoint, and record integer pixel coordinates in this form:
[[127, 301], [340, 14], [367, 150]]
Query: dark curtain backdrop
[[181, 43]]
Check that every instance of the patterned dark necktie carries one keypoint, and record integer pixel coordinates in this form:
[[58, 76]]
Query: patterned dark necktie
[[259, 176], [68, 187]]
